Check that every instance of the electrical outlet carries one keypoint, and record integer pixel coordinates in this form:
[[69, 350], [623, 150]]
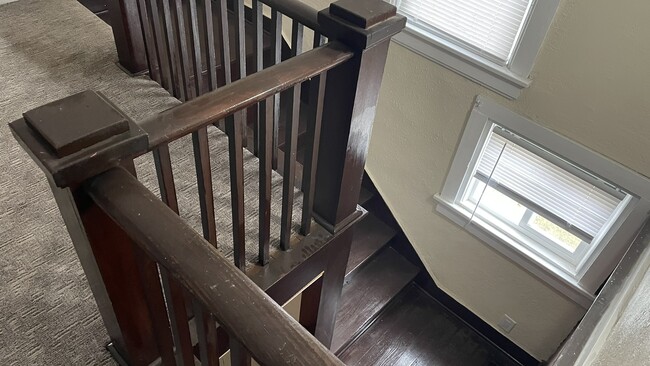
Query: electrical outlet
[[507, 323]]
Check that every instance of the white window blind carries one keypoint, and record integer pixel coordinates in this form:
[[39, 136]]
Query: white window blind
[[489, 28], [565, 196]]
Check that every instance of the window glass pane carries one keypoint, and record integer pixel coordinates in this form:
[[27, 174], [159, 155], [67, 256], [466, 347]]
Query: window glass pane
[[554, 232], [489, 28], [496, 203]]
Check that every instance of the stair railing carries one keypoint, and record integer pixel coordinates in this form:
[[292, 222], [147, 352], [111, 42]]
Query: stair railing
[[148, 270]]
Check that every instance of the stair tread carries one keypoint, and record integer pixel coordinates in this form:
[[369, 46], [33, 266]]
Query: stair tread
[[370, 235], [369, 291]]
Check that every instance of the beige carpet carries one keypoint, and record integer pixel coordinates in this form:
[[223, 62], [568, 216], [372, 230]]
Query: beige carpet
[[48, 50]]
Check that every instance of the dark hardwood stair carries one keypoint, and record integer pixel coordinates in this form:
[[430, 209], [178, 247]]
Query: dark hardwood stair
[[368, 292], [370, 235]]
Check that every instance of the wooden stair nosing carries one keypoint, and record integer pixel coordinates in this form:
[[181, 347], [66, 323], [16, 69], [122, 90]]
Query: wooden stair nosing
[[369, 291], [370, 236]]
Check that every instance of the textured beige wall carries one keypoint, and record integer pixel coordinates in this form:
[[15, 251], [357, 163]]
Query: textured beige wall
[[591, 83]]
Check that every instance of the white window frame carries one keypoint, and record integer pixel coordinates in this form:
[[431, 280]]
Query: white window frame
[[507, 80], [582, 286]]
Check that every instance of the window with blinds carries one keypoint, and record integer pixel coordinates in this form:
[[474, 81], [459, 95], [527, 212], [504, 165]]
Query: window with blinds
[[488, 28], [540, 195]]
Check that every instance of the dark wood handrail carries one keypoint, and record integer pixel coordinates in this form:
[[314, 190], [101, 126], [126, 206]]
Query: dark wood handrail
[[241, 307], [297, 10], [211, 107]]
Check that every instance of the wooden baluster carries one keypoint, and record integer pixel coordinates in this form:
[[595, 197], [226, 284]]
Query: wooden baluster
[[206, 330], [162, 48], [196, 49], [297, 31], [148, 272], [276, 55], [204, 184], [265, 159], [224, 40], [127, 32], [234, 131], [178, 21], [289, 170], [238, 354], [173, 291], [149, 42], [209, 41], [316, 96], [174, 54], [240, 49], [258, 65]]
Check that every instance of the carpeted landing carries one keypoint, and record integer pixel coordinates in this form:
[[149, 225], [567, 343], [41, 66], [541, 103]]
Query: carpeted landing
[[49, 50]]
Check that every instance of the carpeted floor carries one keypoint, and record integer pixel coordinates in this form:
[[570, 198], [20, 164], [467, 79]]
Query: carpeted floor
[[48, 50]]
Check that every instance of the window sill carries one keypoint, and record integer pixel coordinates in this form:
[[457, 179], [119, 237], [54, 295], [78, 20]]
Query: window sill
[[490, 75], [518, 254]]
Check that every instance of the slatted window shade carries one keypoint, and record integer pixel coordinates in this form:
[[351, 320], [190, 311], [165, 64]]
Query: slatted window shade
[[534, 181], [489, 28]]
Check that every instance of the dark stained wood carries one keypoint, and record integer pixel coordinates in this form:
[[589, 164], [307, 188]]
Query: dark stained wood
[[149, 276], [298, 10], [370, 290], [127, 31], [240, 51], [238, 354], [289, 171], [363, 13], [210, 47], [211, 107], [173, 51], [207, 336], [276, 58], [258, 65], [265, 170], [236, 154], [196, 48], [416, 330], [297, 31], [204, 184], [241, 307], [149, 41], [331, 288], [162, 47], [224, 40], [370, 235], [101, 121], [174, 294], [309, 301], [316, 94], [185, 66]]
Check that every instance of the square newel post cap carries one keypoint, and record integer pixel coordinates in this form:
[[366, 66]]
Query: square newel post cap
[[361, 23], [78, 136]]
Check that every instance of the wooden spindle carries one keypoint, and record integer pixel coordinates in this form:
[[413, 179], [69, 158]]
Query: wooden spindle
[[174, 54], [240, 49], [209, 41], [276, 55], [234, 128], [206, 330], [239, 356], [289, 171], [196, 49], [204, 184], [149, 42], [265, 170], [297, 32], [316, 95], [173, 291], [258, 64], [162, 47], [224, 40], [181, 41]]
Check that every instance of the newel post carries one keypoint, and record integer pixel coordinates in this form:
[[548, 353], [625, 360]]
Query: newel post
[[72, 140], [349, 109], [124, 17]]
